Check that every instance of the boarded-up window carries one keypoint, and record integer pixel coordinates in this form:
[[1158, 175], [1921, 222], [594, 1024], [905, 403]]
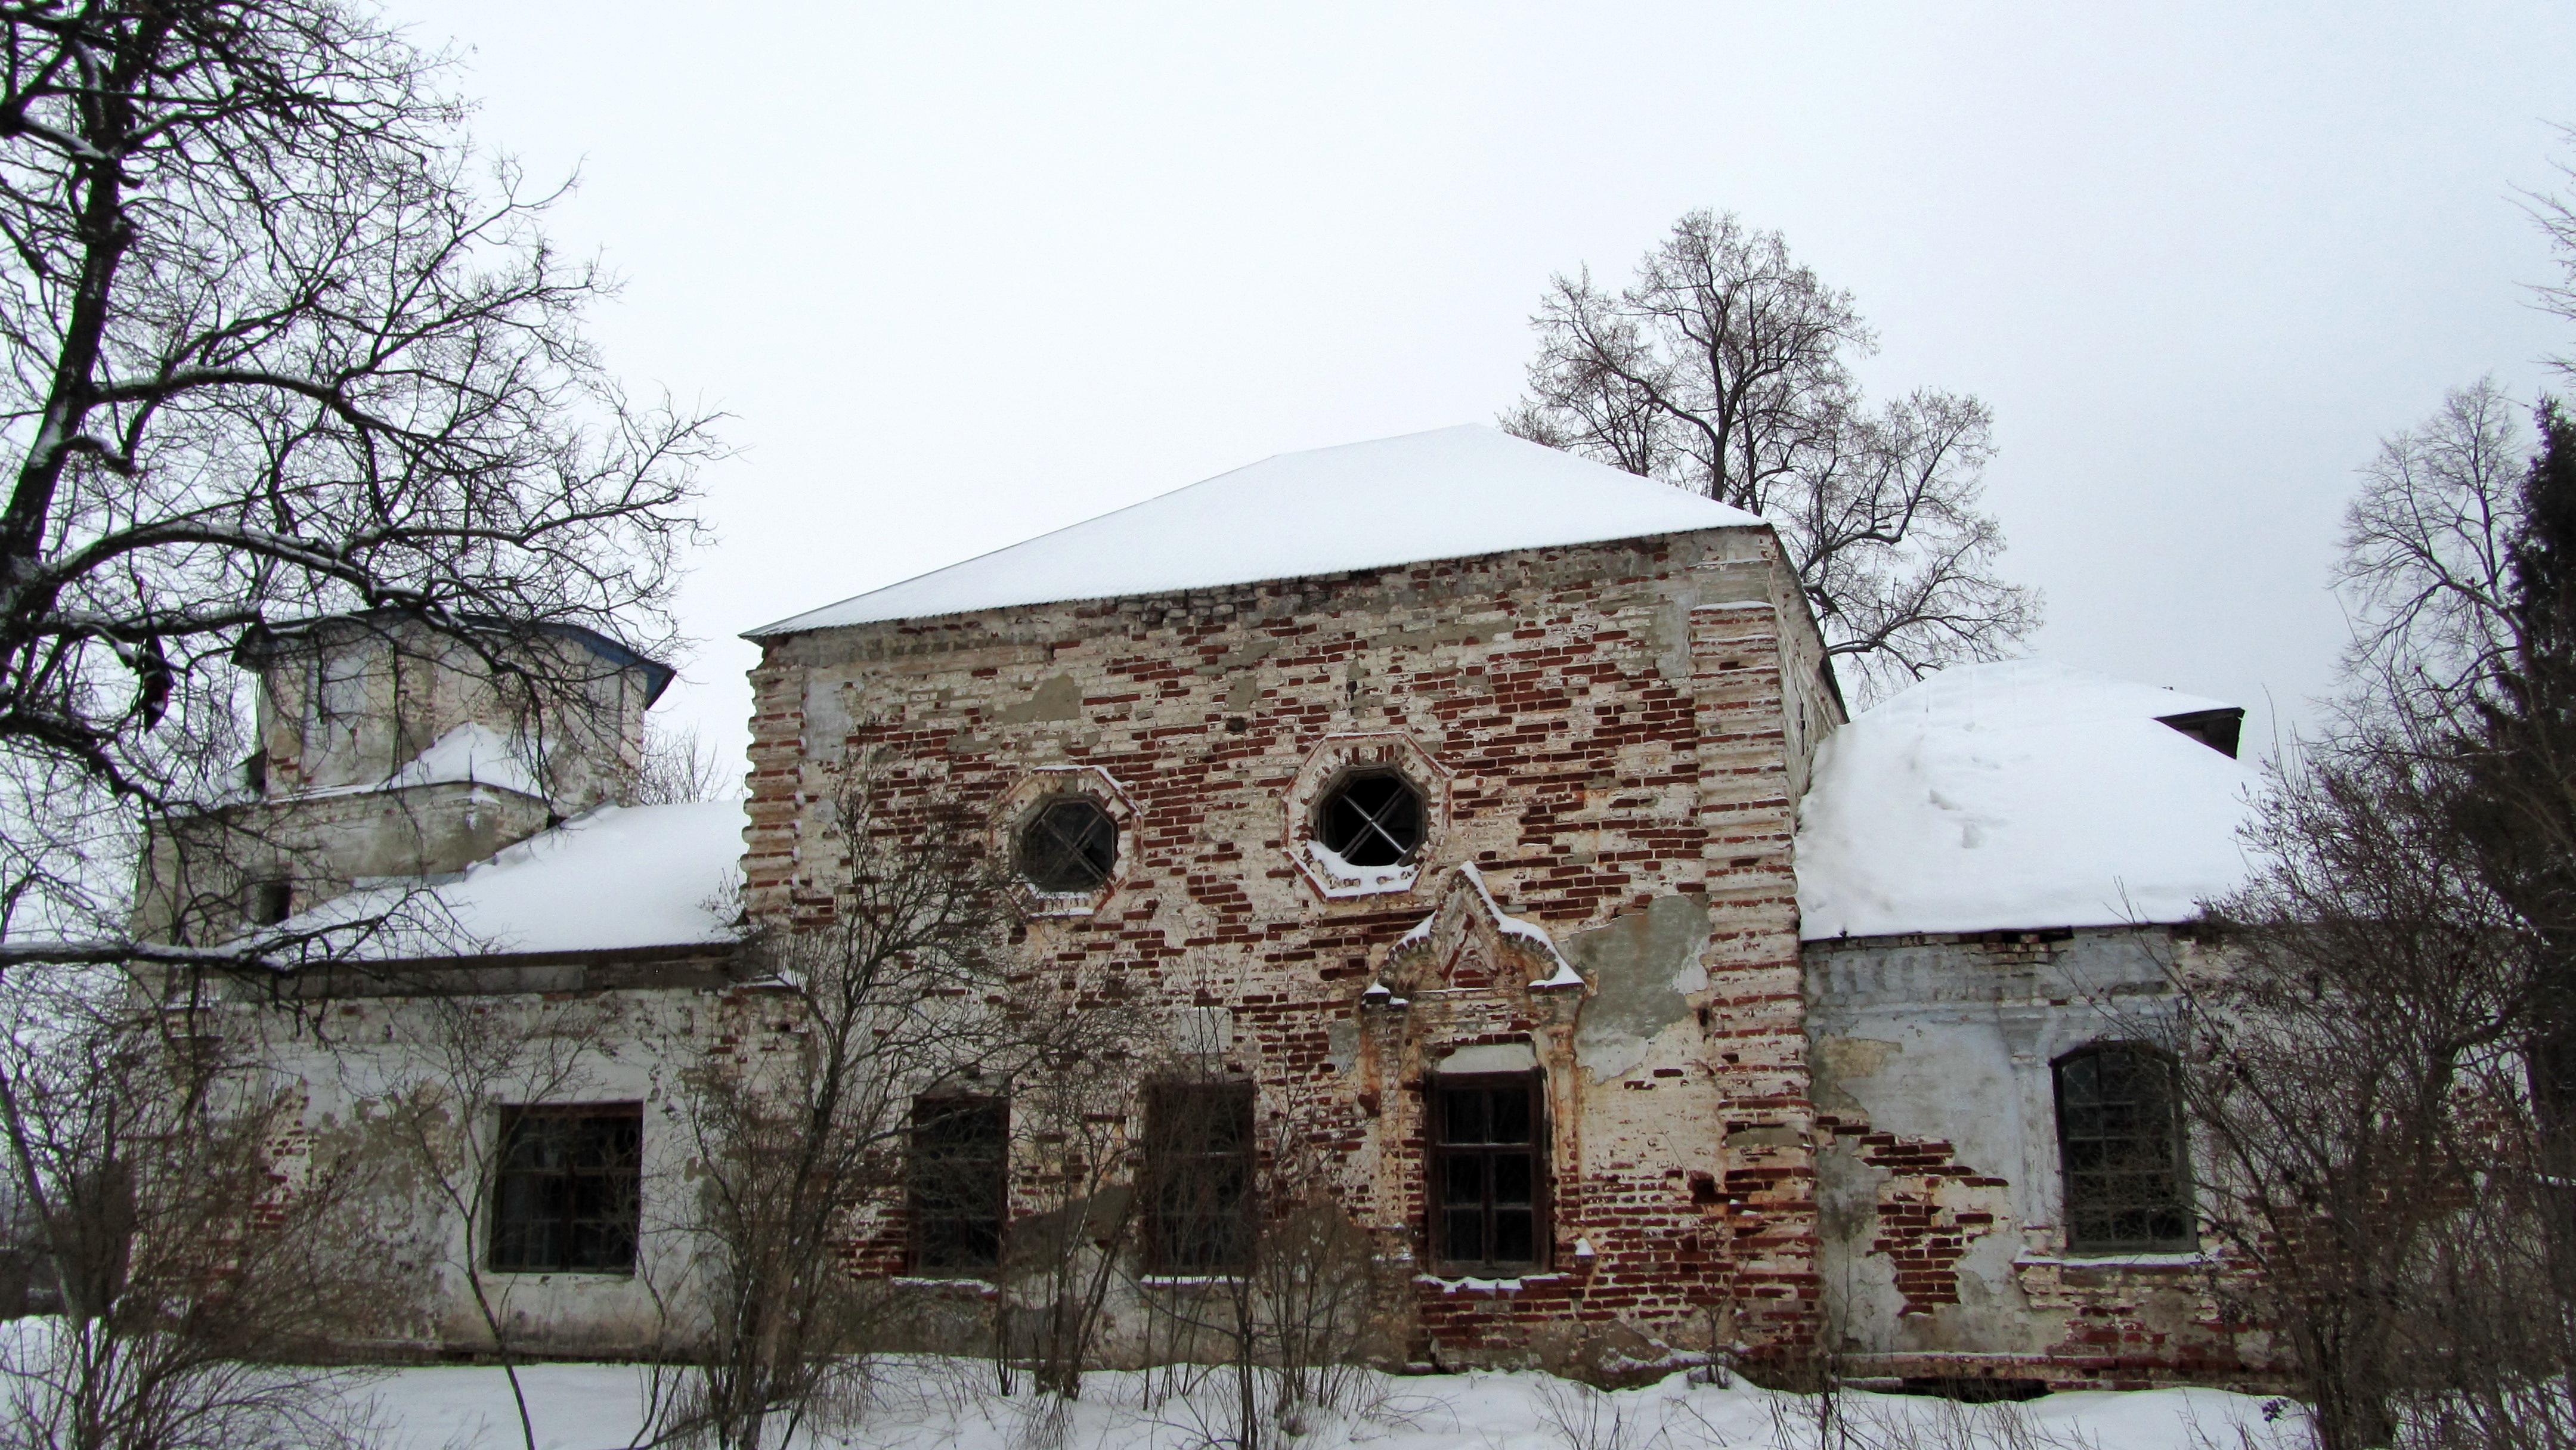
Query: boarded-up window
[[566, 1199], [1488, 1168], [2126, 1164], [1198, 1176], [957, 1188]]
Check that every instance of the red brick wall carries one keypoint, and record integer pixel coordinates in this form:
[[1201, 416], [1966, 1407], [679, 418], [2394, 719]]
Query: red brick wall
[[1607, 723]]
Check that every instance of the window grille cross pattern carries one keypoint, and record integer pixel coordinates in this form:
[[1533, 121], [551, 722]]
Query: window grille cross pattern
[[566, 1198], [2124, 1158], [1069, 846], [1374, 820], [1488, 1172]]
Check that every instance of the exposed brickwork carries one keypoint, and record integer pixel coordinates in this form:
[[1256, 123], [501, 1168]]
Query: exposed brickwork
[[1919, 1233], [1608, 725]]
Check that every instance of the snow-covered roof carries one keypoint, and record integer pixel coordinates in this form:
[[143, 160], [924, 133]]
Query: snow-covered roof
[[2017, 795], [618, 878], [1451, 493]]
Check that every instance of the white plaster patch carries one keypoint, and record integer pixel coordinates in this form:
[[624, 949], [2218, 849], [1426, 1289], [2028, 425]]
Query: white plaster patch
[[1206, 1031], [1491, 1057]]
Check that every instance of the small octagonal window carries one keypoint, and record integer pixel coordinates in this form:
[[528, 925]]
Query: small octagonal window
[[1373, 818], [1068, 847]]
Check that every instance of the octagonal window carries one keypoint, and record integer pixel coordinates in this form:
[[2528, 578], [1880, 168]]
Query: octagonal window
[[1068, 847], [1372, 818]]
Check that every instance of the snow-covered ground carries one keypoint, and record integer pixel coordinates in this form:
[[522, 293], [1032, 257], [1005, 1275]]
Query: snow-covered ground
[[935, 1404]]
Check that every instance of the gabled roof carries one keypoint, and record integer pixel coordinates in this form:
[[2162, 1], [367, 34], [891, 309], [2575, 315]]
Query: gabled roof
[[1451, 493], [2013, 796]]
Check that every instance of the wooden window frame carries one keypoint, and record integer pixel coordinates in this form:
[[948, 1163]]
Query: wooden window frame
[[918, 1249], [506, 1251], [2078, 1183], [1167, 1165], [1438, 1151]]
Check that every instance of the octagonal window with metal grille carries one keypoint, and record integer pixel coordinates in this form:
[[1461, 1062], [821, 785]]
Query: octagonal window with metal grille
[[1373, 818], [1068, 847]]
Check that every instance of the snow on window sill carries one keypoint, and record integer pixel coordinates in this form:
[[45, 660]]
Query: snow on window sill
[[1050, 903], [2188, 1259], [925, 1281], [1340, 880], [1474, 1285]]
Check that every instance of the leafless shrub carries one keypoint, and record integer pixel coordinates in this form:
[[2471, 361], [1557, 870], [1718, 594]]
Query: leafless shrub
[[198, 1269], [1585, 1417], [801, 1112], [678, 767], [1270, 1286], [441, 1082]]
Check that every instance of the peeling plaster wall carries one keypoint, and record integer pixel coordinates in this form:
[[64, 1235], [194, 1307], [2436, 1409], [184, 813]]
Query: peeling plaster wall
[[575, 1042], [1938, 1193], [1614, 734]]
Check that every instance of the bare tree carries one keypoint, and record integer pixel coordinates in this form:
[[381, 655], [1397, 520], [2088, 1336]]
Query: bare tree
[[1725, 369], [2426, 561], [280, 344], [441, 1083], [906, 989], [203, 1276], [679, 767], [2380, 1077]]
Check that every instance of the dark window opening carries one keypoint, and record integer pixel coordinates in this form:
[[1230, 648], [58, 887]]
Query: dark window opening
[[1069, 847], [1198, 1176], [270, 902], [2124, 1157], [958, 1182], [1489, 1172], [567, 1197], [1372, 819]]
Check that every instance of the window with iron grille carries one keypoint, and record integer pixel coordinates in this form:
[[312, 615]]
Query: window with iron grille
[[566, 1199], [2125, 1162], [1372, 818], [1488, 1168], [958, 1182], [1068, 847], [1198, 1176]]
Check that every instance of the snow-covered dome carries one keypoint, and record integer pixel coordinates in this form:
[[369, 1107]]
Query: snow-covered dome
[[1451, 493], [2013, 796]]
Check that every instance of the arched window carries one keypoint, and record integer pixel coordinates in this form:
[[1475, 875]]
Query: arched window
[[2125, 1163]]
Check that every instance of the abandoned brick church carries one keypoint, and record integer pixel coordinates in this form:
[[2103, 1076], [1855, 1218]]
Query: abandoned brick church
[[1494, 817]]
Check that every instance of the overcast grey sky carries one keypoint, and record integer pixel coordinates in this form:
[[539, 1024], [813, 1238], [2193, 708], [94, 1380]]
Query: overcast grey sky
[[966, 273]]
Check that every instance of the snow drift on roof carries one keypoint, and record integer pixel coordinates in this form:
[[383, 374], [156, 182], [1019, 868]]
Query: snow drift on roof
[[1448, 494], [2017, 795], [614, 879]]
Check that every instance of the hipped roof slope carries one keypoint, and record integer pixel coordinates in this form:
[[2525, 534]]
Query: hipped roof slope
[[2013, 796], [1451, 493]]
